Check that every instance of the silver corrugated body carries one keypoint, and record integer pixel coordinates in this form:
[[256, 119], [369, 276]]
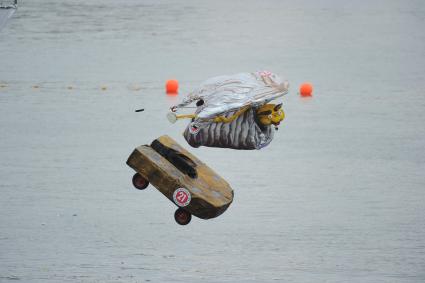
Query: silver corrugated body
[[242, 133]]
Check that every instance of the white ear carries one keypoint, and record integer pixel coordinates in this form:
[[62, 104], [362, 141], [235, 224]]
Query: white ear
[[172, 117]]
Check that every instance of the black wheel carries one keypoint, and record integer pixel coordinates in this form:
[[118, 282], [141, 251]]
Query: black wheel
[[139, 182], [182, 217]]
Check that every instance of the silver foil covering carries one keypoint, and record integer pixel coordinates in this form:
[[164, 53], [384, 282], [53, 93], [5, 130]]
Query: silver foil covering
[[242, 133]]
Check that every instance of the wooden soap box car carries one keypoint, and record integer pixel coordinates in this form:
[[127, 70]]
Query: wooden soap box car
[[184, 179]]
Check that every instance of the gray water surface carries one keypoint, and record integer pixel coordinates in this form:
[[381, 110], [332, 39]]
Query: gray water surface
[[338, 196]]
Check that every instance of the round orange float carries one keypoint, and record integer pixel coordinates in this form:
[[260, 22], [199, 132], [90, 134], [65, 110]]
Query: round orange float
[[172, 86], [306, 89]]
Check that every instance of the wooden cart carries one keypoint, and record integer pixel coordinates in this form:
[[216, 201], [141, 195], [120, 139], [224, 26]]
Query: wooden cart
[[185, 180]]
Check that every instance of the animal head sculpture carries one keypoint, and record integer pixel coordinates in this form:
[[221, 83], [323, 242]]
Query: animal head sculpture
[[269, 114]]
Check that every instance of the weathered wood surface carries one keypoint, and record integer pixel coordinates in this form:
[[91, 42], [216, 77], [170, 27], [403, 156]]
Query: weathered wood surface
[[210, 194]]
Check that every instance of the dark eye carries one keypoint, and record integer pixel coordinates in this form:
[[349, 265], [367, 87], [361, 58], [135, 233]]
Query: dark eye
[[268, 112]]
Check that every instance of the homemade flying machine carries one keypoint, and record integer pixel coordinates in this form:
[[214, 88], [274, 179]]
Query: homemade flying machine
[[234, 111]]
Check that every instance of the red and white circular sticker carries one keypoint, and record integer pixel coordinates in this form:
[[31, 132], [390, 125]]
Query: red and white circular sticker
[[182, 197], [194, 128]]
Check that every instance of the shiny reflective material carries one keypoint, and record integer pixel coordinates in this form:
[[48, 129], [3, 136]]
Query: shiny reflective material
[[225, 116], [227, 93]]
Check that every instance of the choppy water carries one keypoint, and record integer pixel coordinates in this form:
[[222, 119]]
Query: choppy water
[[337, 197]]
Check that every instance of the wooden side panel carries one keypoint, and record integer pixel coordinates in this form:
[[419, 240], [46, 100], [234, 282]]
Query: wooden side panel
[[155, 168], [213, 187]]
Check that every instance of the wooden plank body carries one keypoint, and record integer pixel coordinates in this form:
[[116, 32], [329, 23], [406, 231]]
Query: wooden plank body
[[210, 194]]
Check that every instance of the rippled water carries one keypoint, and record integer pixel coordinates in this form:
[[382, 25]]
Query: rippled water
[[337, 197]]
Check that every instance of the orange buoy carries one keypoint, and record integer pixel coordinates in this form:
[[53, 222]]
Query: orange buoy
[[306, 89], [172, 86]]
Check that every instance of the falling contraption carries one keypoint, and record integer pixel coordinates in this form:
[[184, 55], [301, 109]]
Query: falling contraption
[[234, 111], [7, 9]]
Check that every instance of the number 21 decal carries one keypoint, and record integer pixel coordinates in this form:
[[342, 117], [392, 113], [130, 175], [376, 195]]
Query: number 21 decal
[[182, 197]]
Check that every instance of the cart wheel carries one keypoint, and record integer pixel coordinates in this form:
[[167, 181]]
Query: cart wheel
[[182, 217], [139, 182]]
